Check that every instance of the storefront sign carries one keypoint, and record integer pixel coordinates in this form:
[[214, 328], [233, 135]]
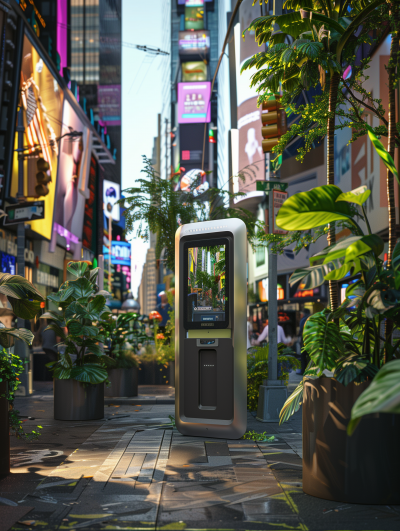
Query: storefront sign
[[263, 291], [46, 279], [11, 248], [278, 199], [194, 103], [192, 43]]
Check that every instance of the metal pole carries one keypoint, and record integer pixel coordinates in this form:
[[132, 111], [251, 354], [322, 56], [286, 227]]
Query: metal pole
[[166, 148], [109, 251], [272, 302]]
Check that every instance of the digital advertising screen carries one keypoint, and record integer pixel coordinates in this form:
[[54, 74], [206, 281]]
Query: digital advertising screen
[[207, 284], [193, 43], [194, 71], [194, 103], [42, 104], [73, 173], [109, 102], [194, 18]]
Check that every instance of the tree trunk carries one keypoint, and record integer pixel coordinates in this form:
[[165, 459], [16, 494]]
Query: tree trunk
[[330, 171], [391, 70]]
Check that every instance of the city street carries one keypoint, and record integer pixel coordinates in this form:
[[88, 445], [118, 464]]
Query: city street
[[131, 470]]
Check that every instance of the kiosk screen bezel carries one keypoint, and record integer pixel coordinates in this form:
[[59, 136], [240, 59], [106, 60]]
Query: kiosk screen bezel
[[209, 242]]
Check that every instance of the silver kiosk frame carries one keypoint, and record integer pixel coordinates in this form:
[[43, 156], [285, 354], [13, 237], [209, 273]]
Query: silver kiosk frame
[[226, 341]]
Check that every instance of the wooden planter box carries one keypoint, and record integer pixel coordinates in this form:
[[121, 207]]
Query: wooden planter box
[[363, 468]]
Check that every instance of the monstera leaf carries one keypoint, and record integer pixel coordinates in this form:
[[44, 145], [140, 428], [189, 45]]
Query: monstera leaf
[[338, 250], [307, 210], [382, 396], [366, 244], [314, 276]]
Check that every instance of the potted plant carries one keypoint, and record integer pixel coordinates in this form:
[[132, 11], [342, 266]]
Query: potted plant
[[346, 351], [25, 301], [123, 335], [81, 370]]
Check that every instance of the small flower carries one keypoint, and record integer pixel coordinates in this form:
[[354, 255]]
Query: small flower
[[160, 336]]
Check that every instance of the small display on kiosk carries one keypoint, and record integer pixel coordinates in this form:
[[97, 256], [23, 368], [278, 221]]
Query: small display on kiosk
[[207, 296]]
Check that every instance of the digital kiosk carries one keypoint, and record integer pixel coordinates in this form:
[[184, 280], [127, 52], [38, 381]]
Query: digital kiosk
[[211, 328]]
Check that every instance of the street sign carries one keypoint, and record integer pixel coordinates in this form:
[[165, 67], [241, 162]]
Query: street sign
[[278, 199], [24, 212], [267, 186]]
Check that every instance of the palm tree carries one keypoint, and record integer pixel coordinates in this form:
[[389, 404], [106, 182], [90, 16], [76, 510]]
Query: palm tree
[[307, 51]]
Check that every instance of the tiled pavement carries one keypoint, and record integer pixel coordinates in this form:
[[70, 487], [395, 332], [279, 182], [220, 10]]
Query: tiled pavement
[[134, 472]]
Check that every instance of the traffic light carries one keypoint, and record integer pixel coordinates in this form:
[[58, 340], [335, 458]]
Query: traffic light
[[273, 123], [211, 137], [42, 177]]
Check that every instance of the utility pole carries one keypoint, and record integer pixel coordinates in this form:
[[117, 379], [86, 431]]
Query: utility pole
[[109, 250], [166, 148], [21, 198]]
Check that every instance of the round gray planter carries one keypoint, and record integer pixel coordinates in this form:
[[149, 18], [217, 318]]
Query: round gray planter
[[124, 383], [4, 433], [75, 401]]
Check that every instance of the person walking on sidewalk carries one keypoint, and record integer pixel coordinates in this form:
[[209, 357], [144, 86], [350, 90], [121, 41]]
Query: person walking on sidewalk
[[281, 336]]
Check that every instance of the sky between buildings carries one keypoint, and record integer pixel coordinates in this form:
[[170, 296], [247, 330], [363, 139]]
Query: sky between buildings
[[141, 100]]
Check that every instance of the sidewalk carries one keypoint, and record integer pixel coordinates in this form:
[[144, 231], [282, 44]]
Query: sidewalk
[[132, 471]]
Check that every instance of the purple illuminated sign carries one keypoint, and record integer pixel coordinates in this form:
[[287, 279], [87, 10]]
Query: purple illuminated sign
[[62, 33], [194, 43], [194, 102]]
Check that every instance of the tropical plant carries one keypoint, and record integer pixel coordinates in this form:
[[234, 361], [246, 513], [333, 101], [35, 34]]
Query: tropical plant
[[158, 208], [312, 49], [81, 312], [354, 350], [257, 370], [166, 343], [11, 366], [123, 334]]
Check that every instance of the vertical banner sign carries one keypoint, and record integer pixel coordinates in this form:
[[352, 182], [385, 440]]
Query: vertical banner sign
[[278, 199]]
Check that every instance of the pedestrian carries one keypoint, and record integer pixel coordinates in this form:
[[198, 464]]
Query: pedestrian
[[304, 356], [281, 336], [163, 308], [249, 331]]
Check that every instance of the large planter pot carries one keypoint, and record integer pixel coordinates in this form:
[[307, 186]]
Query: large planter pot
[[171, 381], [75, 401], [124, 382], [151, 373], [363, 468], [4, 433]]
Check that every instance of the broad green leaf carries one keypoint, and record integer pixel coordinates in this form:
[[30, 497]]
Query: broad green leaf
[[292, 404], [57, 329], [353, 267], [336, 251], [9, 335], [50, 314], [77, 268], [382, 396], [314, 276], [354, 368], [307, 210], [61, 373], [65, 360], [382, 300], [82, 288], [18, 287], [396, 257], [366, 244], [382, 152], [89, 373], [97, 304], [24, 308], [322, 341], [357, 196]]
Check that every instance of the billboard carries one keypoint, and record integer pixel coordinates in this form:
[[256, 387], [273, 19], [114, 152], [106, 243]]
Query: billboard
[[109, 103], [194, 103], [194, 71], [194, 43], [42, 102], [73, 174], [120, 253], [111, 194], [194, 18], [251, 159]]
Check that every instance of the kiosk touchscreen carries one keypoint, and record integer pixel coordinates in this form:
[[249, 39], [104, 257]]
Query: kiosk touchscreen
[[210, 329]]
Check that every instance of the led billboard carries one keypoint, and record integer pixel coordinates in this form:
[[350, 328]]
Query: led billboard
[[111, 194], [194, 18], [73, 173], [42, 103], [194, 103], [193, 43], [194, 71], [109, 102], [120, 253]]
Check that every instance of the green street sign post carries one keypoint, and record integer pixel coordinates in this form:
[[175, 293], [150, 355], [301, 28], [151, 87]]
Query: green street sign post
[[267, 186]]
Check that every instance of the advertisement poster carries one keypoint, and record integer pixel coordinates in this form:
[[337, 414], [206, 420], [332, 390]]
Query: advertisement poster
[[111, 194], [194, 18], [89, 221], [194, 103], [251, 163], [109, 102], [73, 174], [194, 43], [42, 100], [194, 71]]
